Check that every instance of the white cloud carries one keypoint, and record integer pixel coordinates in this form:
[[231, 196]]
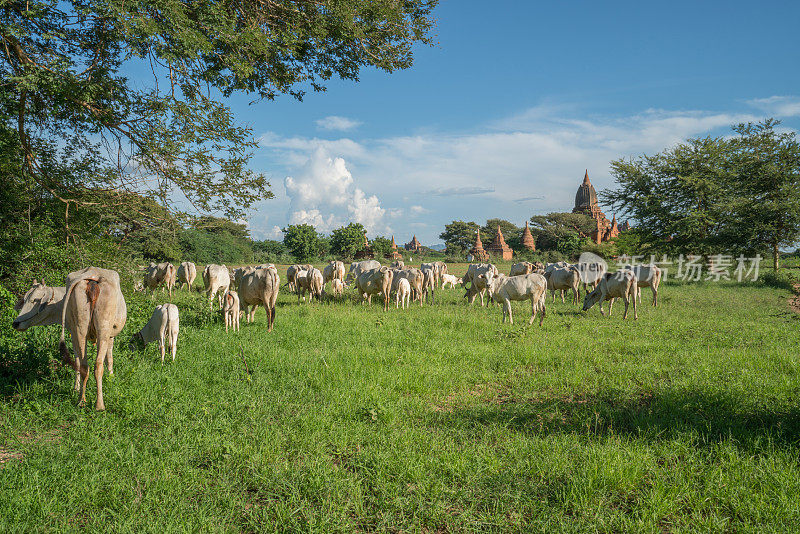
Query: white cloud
[[324, 195], [514, 167], [778, 106], [336, 123]]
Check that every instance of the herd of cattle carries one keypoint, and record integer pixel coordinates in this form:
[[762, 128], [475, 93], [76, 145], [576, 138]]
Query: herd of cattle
[[91, 304]]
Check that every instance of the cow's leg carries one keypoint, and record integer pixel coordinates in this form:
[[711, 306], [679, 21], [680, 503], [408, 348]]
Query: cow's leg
[[655, 295], [110, 356], [625, 299], [610, 306], [102, 348], [271, 318], [553, 291], [79, 350], [635, 312], [161, 343], [562, 296], [507, 306], [397, 300], [533, 310], [544, 311], [227, 320], [601, 308], [173, 342]]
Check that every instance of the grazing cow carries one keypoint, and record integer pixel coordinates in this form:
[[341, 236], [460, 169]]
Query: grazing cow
[[302, 283], [313, 282], [531, 286], [375, 281], [94, 310], [41, 306], [415, 279], [450, 280], [217, 281], [163, 327], [398, 264], [358, 267], [646, 276], [231, 308], [187, 272], [428, 284], [621, 284], [291, 277], [162, 273], [563, 279], [333, 271], [403, 294], [477, 287], [260, 287], [337, 287], [523, 267]]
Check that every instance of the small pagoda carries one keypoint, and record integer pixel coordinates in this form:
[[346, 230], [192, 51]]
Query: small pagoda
[[366, 252], [477, 250], [393, 253], [414, 245], [499, 247], [527, 239]]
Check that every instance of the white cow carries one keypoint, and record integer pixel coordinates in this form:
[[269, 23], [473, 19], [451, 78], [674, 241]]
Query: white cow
[[621, 284], [187, 272], [646, 276], [311, 281], [504, 289], [41, 306], [94, 310], [217, 281], [523, 267], [477, 285], [163, 327], [333, 271], [403, 294], [231, 308], [563, 279], [398, 264], [375, 281], [415, 280], [428, 284], [157, 274], [358, 267], [260, 287], [337, 287]]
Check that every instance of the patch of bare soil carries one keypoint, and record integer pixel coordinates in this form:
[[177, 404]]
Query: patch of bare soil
[[8, 455], [794, 300]]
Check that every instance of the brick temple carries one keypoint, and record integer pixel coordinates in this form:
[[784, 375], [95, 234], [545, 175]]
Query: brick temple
[[586, 203]]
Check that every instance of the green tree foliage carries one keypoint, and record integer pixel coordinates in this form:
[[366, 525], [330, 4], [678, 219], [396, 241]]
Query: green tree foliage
[[553, 229], [459, 236], [381, 246], [302, 240], [63, 77], [724, 195], [270, 250], [347, 241]]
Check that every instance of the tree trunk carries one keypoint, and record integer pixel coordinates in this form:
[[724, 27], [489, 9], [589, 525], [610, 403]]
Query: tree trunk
[[775, 255]]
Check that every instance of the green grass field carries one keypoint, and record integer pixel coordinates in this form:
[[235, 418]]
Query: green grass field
[[434, 419]]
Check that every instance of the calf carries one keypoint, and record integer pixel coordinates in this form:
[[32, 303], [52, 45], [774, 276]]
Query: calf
[[403, 294], [231, 309], [162, 327], [450, 280]]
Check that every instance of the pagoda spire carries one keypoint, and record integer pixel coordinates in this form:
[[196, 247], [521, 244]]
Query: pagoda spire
[[586, 178]]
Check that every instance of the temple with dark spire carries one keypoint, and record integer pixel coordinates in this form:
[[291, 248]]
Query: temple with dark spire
[[527, 239], [414, 245], [393, 252], [586, 203], [499, 247]]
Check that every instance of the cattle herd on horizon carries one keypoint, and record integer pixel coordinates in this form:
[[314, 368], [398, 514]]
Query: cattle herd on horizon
[[92, 307]]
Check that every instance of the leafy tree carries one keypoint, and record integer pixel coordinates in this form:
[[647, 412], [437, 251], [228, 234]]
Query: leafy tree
[[302, 240], [551, 229], [765, 198], [65, 76], [270, 250], [381, 246], [511, 232], [220, 225], [347, 240], [459, 236], [569, 244]]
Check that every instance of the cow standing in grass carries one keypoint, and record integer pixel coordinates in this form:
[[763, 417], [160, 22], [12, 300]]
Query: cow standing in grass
[[373, 282], [621, 284], [187, 272], [94, 310], [504, 289], [260, 287], [163, 327]]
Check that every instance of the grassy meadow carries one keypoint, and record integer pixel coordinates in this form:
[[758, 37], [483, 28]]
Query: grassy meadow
[[433, 419]]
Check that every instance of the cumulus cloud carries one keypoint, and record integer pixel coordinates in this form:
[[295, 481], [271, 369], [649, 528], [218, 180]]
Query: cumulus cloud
[[525, 164], [418, 210], [324, 195], [336, 123]]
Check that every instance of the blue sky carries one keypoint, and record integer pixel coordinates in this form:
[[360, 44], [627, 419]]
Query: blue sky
[[501, 117]]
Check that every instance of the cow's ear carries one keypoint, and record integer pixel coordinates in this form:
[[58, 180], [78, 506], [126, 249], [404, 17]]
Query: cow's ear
[[34, 281]]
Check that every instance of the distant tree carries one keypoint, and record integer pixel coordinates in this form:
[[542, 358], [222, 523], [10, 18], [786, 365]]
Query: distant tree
[[302, 240], [217, 225], [459, 236], [549, 230], [569, 244], [764, 204], [382, 246], [270, 250], [347, 240]]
